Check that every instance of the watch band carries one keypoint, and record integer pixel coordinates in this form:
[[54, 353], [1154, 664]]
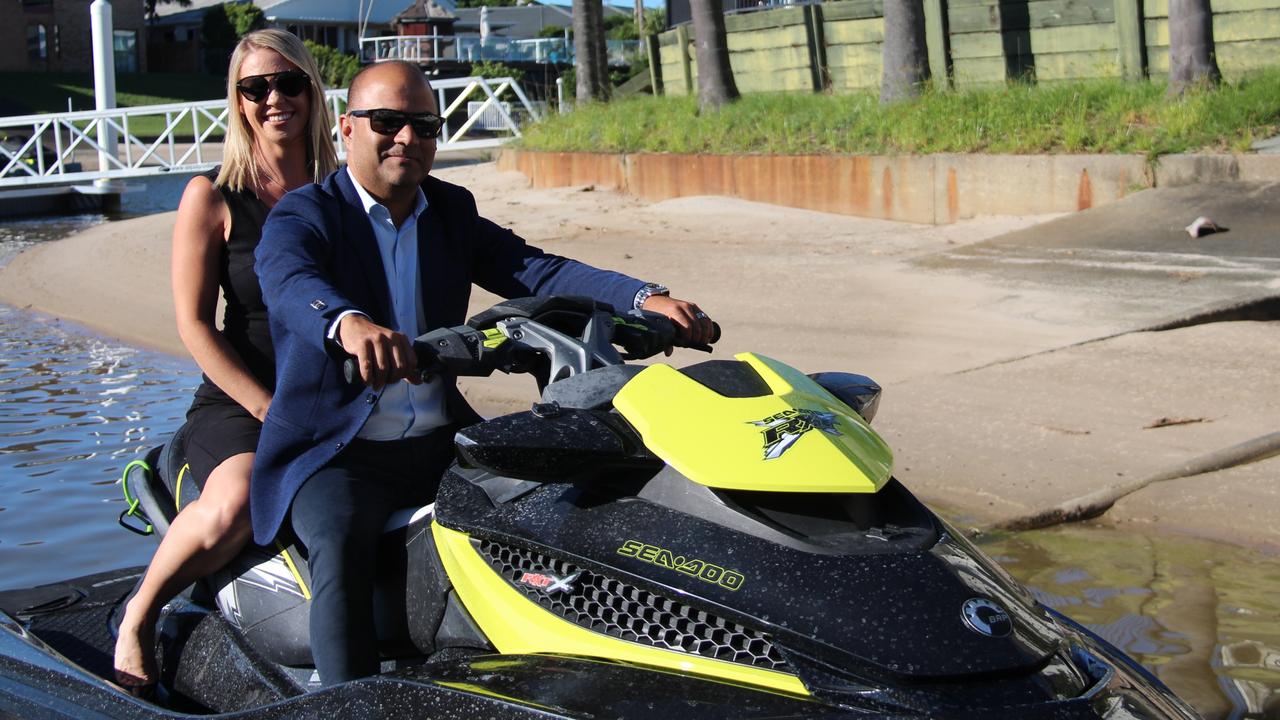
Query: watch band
[[648, 291]]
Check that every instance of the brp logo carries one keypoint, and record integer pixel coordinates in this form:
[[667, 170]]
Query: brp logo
[[986, 618]]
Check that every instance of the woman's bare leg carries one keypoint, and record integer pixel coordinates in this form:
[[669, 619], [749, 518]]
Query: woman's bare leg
[[203, 538]]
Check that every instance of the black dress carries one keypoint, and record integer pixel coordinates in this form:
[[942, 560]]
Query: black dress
[[217, 426]]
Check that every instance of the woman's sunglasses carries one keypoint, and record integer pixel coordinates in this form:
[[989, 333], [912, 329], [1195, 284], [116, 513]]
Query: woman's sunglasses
[[289, 83], [388, 122]]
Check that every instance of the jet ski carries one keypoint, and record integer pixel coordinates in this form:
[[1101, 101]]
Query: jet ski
[[724, 539]]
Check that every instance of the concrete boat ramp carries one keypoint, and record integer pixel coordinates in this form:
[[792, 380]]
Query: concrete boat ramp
[[1182, 375]]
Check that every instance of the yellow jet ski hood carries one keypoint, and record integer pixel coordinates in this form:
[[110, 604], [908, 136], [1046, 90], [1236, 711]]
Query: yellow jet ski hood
[[797, 437]]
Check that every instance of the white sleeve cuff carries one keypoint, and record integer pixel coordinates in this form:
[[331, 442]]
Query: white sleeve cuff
[[332, 333]]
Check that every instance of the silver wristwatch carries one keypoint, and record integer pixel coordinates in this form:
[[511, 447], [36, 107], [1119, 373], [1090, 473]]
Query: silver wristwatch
[[648, 291]]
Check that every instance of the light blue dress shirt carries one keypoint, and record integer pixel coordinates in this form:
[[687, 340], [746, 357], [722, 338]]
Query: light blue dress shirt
[[403, 410]]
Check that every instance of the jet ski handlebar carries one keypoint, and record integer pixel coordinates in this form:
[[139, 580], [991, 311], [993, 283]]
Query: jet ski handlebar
[[551, 345]]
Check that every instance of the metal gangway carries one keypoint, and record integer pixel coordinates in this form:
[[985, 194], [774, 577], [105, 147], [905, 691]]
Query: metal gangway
[[55, 148]]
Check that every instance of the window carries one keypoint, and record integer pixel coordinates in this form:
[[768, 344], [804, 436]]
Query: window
[[125, 43], [57, 42], [37, 42]]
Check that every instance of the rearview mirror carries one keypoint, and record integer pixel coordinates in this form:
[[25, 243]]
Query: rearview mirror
[[857, 391]]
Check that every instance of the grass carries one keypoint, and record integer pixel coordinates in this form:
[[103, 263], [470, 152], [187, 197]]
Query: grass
[[31, 93], [1102, 116]]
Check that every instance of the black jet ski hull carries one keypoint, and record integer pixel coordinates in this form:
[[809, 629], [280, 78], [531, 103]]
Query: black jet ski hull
[[56, 644]]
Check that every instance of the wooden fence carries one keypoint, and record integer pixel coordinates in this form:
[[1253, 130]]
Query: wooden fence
[[837, 45]]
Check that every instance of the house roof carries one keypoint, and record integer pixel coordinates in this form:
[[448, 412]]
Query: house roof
[[522, 21], [422, 10], [346, 12], [519, 21]]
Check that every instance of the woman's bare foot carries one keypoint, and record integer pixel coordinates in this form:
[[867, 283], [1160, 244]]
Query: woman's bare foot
[[135, 658]]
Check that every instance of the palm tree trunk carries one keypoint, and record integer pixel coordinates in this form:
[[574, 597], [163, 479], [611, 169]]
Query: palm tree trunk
[[716, 86], [602, 50], [905, 55], [588, 44], [1192, 60]]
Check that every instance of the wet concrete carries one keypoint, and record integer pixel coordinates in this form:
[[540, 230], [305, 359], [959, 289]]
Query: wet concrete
[[1128, 403], [1137, 255]]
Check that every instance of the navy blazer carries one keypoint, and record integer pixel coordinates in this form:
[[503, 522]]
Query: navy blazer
[[317, 257]]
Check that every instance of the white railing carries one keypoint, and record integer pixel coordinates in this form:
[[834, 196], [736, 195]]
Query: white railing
[[473, 48], [54, 148]]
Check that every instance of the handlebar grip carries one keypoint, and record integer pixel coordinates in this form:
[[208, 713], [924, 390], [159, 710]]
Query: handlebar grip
[[715, 337]]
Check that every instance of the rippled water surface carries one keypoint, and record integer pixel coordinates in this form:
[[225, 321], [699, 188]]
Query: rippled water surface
[[74, 409], [1204, 617]]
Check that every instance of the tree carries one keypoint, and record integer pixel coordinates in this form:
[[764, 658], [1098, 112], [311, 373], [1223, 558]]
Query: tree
[[905, 55], [590, 59], [1192, 59], [716, 87], [149, 7], [223, 25]]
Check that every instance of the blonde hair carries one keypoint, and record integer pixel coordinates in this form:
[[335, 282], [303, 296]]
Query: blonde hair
[[239, 164]]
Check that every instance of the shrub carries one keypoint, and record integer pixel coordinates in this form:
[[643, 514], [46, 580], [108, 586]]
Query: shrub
[[487, 69], [336, 68]]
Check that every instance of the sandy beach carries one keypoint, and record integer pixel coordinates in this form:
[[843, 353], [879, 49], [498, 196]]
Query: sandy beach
[[1003, 397]]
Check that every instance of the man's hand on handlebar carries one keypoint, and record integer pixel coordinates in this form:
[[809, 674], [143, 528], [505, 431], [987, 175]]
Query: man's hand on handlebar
[[382, 355], [694, 326]]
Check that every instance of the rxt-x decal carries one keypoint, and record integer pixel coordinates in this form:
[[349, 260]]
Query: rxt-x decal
[[782, 430]]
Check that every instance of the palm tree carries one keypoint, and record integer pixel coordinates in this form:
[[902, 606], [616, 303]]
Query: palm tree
[[905, 55], [591, 61], [1192, 60], [715, 77]]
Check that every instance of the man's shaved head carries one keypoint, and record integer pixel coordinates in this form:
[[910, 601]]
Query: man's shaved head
[[394, 72]]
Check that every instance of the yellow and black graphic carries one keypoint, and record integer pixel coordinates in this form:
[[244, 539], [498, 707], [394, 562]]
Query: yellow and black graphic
[[701, 569], [782, 430]]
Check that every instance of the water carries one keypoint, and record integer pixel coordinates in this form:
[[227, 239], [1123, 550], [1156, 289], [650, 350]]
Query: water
[[74, 409], [1204, 617]]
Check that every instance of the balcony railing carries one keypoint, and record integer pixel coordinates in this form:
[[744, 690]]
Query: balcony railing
[[473, 48]]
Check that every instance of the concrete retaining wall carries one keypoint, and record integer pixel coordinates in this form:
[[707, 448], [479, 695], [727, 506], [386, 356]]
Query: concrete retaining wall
[[934, 189]]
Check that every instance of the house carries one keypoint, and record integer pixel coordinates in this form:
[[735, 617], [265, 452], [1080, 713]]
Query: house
[[54, 35], [335, 23], [425, 17], [679, 12], [175, 33]]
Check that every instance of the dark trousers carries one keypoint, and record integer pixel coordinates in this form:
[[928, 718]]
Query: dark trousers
[[338, 514]]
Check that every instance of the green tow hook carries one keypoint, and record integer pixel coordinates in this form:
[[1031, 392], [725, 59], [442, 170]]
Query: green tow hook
[[141, 524]]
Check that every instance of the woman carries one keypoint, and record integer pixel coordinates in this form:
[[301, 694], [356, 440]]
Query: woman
[[278, 139]]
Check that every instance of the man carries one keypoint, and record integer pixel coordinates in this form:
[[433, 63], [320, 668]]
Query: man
[[376, 255]]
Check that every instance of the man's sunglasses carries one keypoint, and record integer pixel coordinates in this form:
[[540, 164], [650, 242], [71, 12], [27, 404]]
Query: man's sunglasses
[[388, 122], [289, 83]]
